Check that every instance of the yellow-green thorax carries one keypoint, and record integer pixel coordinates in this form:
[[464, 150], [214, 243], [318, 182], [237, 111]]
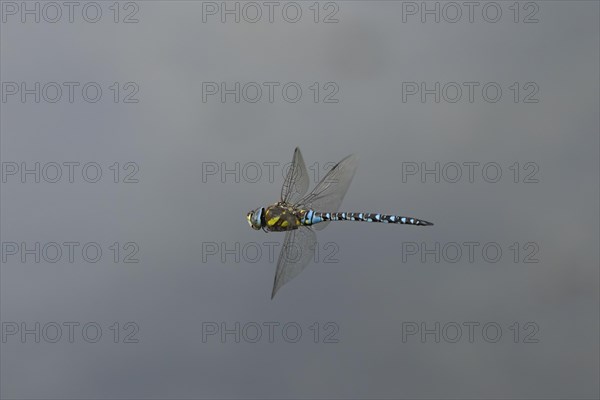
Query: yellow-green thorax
[[278, 217], [282, 217]]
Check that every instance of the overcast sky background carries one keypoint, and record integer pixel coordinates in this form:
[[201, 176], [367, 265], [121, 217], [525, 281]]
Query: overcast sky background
[[370, 294]]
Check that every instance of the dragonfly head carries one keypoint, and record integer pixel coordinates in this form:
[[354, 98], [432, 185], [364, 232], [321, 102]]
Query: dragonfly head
[[255, 218]]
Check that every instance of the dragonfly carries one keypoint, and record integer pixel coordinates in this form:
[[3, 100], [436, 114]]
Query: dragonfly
[[299, 214]]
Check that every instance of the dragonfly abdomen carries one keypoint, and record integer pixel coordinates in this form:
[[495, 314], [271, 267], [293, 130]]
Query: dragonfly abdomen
[[314, 217]]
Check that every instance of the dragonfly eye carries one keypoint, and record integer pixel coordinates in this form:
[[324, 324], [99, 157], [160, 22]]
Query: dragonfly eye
[[253, 218]]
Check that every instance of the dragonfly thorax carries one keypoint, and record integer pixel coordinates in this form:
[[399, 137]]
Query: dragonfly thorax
[[279, 217]]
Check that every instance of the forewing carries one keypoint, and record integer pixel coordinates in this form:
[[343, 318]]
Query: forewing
[[327, 196], [296, 180], [297, 251]]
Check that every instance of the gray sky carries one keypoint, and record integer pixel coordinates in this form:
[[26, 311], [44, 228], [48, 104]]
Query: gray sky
[[527, 317]]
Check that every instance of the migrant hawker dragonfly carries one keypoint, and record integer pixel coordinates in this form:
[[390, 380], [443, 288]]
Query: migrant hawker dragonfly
[[297, 212]]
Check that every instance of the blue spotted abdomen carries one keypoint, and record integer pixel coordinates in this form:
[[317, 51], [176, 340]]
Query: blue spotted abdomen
[[314, 217]]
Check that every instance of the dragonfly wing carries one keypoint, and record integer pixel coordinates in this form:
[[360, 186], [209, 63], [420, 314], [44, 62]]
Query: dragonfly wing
[[297, 251], [327, 196], [296, 181]]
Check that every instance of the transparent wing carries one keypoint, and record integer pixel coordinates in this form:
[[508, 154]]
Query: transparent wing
[[296, 180], [327, 196], [297, 251]]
